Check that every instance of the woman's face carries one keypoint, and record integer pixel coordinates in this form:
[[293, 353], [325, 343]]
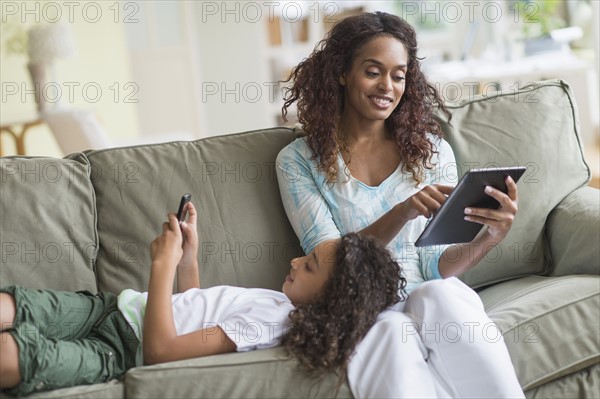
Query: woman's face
[[375, 83]]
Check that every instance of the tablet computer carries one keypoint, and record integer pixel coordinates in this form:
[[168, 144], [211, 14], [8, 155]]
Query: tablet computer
[[448, 225]]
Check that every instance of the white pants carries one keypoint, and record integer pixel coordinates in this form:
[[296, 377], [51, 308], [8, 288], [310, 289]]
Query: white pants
[[439, 343]]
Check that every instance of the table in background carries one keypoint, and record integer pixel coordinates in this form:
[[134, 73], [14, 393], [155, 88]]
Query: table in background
[[17, 131]]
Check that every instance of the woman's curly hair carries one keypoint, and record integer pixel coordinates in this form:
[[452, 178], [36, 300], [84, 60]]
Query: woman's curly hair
[[364, 281], [316, 89]]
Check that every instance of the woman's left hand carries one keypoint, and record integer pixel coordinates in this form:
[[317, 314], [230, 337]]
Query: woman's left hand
[[498, 221]]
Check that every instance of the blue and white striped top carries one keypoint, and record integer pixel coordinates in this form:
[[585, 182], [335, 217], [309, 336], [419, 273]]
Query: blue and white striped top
[[318, 211]]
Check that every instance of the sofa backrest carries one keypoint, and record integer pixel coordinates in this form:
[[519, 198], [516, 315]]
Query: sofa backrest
[[536, 126], [245, 237]]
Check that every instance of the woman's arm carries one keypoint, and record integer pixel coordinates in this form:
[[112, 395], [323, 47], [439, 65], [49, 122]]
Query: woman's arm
[[306, 208], [188, 274], [425, 202], [460, 258], [160, 342]]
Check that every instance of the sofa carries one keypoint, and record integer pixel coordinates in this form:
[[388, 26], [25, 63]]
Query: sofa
[[85, 222]]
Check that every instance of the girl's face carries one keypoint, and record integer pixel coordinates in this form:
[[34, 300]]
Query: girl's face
[[309, 273], [375, 83]]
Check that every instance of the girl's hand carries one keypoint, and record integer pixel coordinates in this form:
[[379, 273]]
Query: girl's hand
[[166, 248], [426, 202], [190, 239], [499, 221]]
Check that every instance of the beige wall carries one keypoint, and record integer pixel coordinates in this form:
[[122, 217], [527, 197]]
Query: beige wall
[[223, 54], [101, 60]]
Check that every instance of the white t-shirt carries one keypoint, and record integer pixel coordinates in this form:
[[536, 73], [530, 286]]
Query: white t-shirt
[[253, 318]]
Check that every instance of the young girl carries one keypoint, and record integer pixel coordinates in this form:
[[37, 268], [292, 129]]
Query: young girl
[[53, 339], [373, 161]]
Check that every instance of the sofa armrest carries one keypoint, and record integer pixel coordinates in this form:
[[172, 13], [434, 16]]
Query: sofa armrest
[[573, 234]]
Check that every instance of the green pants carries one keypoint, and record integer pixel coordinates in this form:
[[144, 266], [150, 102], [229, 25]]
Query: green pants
[[67, 339]]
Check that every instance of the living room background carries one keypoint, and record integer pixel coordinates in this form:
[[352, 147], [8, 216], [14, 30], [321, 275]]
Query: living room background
[[207, 68]]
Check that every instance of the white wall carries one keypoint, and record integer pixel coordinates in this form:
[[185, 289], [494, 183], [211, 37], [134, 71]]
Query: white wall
[[161, 49], [234, 89], [201, 68], [101, 60]]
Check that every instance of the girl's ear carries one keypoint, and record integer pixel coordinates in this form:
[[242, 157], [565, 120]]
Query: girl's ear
[[342, 80]]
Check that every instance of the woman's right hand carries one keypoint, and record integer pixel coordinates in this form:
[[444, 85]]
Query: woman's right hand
[[426, 202]]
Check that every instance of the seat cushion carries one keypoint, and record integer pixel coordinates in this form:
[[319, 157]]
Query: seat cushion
[[47, 223], [110, 390], [265, 373], [550, 324], [536, 127], [584, 384]]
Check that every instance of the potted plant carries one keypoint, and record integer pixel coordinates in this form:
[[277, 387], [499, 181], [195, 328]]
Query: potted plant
[[539, 18]]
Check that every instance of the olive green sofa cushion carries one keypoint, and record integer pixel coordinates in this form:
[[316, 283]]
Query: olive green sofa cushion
[[586, 383], [47, 223], [259, 374], [550, 324], [572, 229], [109, 390], [536, 127]]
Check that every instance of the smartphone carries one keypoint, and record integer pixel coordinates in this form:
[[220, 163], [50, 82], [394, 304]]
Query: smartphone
[[181, 212]]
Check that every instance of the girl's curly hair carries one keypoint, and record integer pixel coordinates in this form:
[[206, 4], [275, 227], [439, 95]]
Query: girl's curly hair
[[365, 280], [319, 95]]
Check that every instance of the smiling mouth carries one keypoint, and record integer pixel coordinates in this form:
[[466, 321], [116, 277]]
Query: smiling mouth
[[289, 278], [381, 100]]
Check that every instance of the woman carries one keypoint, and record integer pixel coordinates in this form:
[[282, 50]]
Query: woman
[[52, 339], [374, 161]]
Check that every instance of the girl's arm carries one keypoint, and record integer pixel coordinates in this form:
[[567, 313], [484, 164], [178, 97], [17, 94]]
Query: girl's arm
[[160, 341], [205, 342], [188, 274], [459, 258]]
